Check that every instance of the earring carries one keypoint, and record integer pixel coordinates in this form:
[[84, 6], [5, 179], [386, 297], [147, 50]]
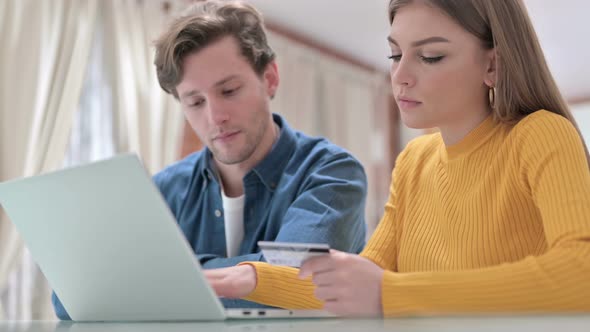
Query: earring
[[492, 97]]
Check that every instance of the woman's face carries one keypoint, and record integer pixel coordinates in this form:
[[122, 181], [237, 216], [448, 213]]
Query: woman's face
[[438, 69]]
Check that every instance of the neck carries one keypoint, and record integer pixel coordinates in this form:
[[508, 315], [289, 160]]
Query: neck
[[231, 176], [453, 133]]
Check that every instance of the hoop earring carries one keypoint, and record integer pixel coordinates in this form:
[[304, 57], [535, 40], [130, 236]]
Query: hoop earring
[[492, 97]]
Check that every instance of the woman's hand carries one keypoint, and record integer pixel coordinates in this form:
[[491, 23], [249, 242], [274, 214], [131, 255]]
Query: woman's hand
[[349, 285], [232, 282]]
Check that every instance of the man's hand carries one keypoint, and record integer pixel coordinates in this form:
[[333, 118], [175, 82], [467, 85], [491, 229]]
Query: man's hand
[[232, 282], [349, 285]]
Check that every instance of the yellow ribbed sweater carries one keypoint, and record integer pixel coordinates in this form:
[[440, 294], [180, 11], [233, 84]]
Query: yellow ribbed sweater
[[499, 222]]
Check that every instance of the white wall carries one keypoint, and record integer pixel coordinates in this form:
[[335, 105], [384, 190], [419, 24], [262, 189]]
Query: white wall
[[581, 113]]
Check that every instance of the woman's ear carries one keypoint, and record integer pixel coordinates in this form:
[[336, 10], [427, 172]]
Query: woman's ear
[[491, 74]]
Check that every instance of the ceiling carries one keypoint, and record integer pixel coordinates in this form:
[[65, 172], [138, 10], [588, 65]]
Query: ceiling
[[358, 28]]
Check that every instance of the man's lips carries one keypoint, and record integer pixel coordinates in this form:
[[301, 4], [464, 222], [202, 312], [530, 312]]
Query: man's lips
[[226, 136]]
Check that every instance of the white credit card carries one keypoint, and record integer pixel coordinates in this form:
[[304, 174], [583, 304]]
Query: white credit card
[[291, 254]]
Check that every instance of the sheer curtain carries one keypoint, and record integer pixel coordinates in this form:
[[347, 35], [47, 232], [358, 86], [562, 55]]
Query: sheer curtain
[[147, 120], [45, 50], [347, 104], [122, 109]]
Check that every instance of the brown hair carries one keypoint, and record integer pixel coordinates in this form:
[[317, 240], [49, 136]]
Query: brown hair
[[203, 24], [524, 83]]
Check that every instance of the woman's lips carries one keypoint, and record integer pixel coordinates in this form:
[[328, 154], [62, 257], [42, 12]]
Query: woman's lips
[[407, 103]]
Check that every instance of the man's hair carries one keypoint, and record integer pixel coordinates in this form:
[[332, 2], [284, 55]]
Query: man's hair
[[203, 24]]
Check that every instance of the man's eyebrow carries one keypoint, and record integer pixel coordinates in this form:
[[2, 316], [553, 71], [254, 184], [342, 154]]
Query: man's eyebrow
[[220, 82], [429, 40], [225, 80], [189, 94]]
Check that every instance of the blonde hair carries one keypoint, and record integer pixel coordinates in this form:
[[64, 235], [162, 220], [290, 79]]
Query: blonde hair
[[203, 24], [524, 83]]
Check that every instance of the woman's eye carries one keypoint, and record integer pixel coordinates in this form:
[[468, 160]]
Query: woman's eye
[[431, 60], [395, 58]]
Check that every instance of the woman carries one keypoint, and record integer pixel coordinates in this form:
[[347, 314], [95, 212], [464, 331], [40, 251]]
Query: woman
[[491, 214]]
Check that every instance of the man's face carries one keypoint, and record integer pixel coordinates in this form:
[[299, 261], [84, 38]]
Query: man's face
[[226, 102]]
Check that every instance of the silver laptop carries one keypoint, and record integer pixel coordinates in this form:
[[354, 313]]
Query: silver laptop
[[110, 247]]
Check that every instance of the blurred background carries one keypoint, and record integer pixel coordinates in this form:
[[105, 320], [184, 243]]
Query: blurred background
[[77, 85]]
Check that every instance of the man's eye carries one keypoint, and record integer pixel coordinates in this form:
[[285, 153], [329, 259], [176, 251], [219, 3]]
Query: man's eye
[[197, 103], [230, 92]]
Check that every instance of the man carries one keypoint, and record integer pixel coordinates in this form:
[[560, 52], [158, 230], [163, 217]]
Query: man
[[256, 179]]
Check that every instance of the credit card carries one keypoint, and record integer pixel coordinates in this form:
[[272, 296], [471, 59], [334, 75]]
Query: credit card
[[291, 254]]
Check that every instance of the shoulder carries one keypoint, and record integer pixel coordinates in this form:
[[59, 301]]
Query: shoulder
[[542, 125], [419, 149], [542, 135], [414, 157], [317, 161], [309, 151], [180, 172], [425, 143], [544, 130], [319, 150]]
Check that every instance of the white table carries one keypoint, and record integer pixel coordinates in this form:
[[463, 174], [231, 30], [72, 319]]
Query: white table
[[572, 323]]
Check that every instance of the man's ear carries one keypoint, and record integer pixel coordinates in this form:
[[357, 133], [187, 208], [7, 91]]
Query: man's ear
[[491, 75], [271, 78]]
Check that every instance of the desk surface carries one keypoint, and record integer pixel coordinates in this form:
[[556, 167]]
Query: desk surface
[[441, 324]]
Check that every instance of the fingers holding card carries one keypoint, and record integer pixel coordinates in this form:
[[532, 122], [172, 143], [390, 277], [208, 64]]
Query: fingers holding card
[[291, 254]]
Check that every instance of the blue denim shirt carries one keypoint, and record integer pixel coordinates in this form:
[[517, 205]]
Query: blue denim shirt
[[305, 190]]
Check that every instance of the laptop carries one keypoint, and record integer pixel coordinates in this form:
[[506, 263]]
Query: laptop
[[111, 249]]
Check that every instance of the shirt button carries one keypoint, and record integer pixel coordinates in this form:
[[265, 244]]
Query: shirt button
[[217, 213], [273, 185]]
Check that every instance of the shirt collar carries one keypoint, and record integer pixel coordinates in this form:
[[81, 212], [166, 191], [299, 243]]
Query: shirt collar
[[271, 168]]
